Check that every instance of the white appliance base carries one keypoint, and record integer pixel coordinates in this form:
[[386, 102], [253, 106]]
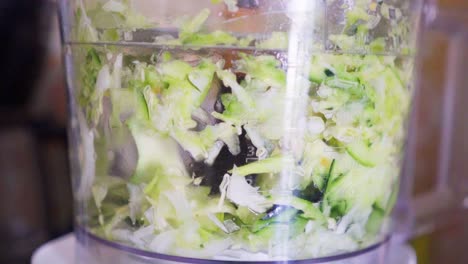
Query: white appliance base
[[62, 250]]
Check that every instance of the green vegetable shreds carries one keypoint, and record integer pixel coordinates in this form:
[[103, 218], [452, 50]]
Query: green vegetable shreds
[[220, 145]]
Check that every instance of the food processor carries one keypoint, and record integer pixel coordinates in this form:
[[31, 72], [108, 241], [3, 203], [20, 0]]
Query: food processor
[[261, 131]]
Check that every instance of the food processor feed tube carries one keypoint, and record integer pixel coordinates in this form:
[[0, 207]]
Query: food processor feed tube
[[267, 130]]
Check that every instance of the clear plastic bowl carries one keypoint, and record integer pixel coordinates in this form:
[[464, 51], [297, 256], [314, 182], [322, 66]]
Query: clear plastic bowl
[[237, 130]]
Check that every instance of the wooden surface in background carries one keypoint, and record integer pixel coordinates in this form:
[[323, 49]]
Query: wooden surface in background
[[453, 4], [446, 244]]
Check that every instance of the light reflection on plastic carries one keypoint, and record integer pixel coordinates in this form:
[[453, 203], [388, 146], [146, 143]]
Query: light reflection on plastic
[[294, 124]]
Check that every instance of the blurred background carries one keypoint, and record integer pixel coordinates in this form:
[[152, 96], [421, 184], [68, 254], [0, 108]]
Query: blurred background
[[35, 191]]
